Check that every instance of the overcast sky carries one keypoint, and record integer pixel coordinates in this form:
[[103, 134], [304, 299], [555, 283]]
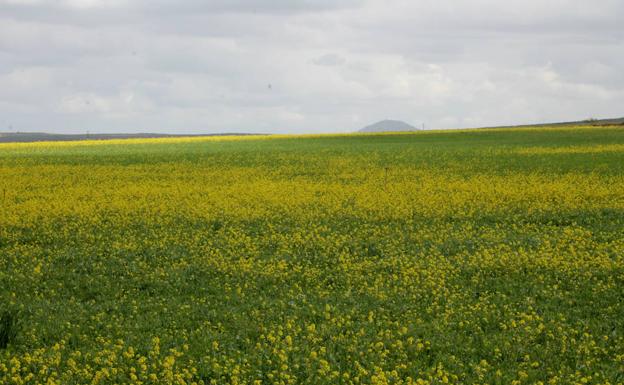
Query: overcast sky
[[297, 66]]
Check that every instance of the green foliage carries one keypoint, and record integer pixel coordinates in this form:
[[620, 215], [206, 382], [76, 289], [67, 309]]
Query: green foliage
[[492, 256]]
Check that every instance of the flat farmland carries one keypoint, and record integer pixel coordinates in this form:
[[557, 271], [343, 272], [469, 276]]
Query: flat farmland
[[468, 256]]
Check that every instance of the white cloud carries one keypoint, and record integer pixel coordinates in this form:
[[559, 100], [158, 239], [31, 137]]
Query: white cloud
[[306, 66]]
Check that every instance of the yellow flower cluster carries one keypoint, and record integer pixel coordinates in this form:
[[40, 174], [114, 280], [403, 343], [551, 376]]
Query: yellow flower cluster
[[474, 257]]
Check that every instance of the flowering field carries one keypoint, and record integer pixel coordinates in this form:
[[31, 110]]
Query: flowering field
[[485, 256]]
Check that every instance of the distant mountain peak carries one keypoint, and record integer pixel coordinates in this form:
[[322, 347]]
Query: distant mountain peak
[[389, 126]]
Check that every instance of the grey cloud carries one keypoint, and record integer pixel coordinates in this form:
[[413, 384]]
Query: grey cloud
[[248, 6], [329, 59], [199, 66], [98, 12]]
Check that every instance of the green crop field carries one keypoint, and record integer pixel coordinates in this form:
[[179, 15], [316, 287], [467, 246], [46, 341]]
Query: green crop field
[[462, 257]]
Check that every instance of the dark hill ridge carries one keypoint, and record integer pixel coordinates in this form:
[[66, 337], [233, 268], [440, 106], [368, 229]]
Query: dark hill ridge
[[389, 126], [399, 126], [7, 137], [587, 122], [382, 126]]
